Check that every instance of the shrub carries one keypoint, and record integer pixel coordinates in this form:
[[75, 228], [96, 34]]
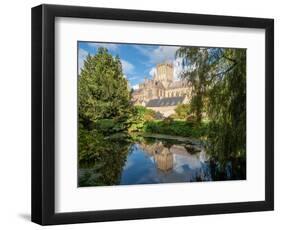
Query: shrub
[[140, 116], [168, 120], [177, 128], [191, 118], [182, 111]]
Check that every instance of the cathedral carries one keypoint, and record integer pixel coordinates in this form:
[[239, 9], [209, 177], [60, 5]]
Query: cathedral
[[162, 93]]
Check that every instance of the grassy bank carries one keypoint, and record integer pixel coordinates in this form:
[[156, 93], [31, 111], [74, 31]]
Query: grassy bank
[[176, 127]]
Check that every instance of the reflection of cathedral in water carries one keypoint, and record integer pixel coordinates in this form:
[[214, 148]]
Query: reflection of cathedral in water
[[161, 154], [154, 160], [176, 157], [165, 158]]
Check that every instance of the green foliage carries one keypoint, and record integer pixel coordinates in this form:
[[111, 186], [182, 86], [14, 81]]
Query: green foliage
[[198, 65], [103, 92], [105, 111], [168, 120], [177, 128], [217, 111], [140, 116], [218, 80], [228, 110], [89, 144], [110, 126], [182, 111], [100, 159], [92, 144]]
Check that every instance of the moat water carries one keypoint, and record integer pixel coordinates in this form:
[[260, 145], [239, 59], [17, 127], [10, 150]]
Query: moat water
[[154, 160]]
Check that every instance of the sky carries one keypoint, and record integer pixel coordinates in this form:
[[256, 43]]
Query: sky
[[138, 60]]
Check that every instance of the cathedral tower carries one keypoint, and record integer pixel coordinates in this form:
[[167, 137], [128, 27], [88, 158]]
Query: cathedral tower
[[164, 73]]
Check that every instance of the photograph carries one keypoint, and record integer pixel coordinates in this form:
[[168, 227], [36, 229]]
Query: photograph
[[148, 113], [151, 114]]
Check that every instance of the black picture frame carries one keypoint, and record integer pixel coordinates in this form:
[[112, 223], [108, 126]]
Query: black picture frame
[[43, 114]]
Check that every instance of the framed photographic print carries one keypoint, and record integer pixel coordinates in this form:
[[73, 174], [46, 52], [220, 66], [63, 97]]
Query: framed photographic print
[[142, 114]]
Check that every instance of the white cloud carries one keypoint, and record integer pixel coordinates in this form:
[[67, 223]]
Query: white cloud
[[152, 71], [158, 54], [143, 49], [178, 68], [127, 67], [109, 46], [132, 78], [135, 86], [82, 54], [164, 53]]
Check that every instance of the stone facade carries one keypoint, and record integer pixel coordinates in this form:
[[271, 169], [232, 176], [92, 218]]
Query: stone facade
[[153, 93]]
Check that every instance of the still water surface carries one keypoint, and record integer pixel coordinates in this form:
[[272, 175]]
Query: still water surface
[[161, 160], [157, 163]]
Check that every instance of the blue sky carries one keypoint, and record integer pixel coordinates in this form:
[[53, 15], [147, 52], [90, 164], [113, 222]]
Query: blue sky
[[138, 61]]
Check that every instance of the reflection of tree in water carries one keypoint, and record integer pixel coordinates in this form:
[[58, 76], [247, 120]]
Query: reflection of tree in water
[[106, 167], [232, 168]]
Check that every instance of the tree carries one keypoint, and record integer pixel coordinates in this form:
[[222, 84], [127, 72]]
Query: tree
[[104, 110], [103, 92], [227, 105], [198, 66], [218, 80]]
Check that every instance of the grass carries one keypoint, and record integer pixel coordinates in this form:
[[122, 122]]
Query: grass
[[177, 128]]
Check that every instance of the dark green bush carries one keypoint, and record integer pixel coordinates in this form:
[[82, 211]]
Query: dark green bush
[[176, 127]]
